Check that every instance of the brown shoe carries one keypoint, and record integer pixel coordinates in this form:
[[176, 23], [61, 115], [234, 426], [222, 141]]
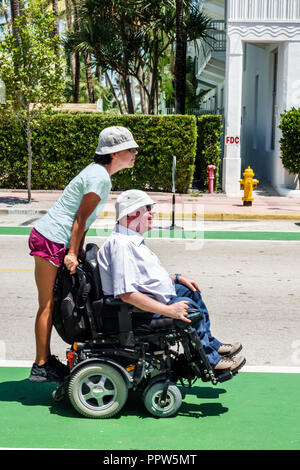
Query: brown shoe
[[229, 350], [230, 364]]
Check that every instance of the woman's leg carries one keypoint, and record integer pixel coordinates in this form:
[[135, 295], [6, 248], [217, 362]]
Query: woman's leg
[[45, 274]]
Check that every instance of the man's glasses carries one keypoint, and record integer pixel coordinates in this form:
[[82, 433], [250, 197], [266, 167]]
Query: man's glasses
[[132, 150]]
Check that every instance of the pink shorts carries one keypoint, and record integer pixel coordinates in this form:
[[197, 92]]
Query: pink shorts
[[41, 246]]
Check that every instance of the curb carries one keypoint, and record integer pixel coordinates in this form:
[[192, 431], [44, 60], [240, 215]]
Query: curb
[[23, 211], [179, 215]]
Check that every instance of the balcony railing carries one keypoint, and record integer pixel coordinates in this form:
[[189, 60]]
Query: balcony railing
[[266, 10], [217, 43]]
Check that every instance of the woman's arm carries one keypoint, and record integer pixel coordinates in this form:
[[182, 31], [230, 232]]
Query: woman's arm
[[88, 204]]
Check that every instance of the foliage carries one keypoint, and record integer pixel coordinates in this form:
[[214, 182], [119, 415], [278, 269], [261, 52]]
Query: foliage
[[30, 67], [290, 142], [64, 143], [28, 59], [208, 148], [126, 36]]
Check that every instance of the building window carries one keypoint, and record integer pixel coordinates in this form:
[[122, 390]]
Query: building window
[[255, 111], [274, 97], [244, 56]]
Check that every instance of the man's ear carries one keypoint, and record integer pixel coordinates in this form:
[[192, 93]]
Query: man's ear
[[132, 217]]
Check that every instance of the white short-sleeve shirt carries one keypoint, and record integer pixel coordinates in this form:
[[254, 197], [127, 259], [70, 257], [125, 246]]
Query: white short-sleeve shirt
[[127, 265]]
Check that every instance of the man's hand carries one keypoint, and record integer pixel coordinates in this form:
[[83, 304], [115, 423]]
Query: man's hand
[[71, 262], [188, 282], [179, 311]]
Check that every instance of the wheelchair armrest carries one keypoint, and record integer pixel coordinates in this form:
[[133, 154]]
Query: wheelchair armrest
[[194, 315], [112, 301]]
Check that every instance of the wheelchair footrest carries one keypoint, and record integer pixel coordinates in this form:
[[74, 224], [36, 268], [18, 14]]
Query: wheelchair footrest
[[224, 376]]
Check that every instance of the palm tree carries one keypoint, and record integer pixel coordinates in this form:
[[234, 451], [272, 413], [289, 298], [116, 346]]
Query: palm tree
[[14, 13], [191, 24], [128, 37], [180, 59]]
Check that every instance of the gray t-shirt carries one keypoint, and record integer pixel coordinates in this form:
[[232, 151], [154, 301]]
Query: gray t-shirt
[[57, 224]]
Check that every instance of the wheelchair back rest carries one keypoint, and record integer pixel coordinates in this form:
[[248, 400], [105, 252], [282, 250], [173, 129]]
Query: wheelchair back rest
[[91, 266]]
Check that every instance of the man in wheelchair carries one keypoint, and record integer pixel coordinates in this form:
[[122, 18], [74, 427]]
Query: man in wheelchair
[[132, 326], [130, 271]]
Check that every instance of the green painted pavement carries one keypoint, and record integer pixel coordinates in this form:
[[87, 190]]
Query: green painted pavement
[[253, 411], [181, 234]]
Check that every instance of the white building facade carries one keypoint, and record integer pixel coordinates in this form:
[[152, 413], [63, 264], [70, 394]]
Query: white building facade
[[261, 81]]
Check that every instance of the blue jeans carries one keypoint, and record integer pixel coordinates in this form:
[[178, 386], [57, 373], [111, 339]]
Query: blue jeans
[[209, 342]]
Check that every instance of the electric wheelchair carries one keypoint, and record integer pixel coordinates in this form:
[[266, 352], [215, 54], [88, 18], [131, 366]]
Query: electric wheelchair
[[116, 348]]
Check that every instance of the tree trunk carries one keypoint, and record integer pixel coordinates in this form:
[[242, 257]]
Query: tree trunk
[[126, 77], [70, 29], [89, 77], [180, 59], [113, 92], [29, 153], [56, 25], [14, 11], [76, 78], [128, 94], [151, 104], [77, 59], [56, 21], [123, 94], [141, 79]]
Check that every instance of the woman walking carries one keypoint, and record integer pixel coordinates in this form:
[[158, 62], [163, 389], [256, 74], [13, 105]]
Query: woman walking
[[63, 230]]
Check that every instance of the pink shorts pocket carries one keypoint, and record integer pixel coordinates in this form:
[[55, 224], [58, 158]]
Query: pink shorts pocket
[[50, 251]]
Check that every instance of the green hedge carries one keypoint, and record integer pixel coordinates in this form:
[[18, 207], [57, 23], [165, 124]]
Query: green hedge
[[64, 143], [290, 142], [208, 148]]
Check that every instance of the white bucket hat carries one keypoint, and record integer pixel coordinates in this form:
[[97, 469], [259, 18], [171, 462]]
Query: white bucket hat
[[130, 201], [114, 139]]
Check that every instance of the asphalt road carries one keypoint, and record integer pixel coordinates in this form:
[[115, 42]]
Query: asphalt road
[[251, 289]]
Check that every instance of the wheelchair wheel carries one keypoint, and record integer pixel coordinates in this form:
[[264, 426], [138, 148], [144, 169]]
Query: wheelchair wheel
[[97, 390], [172, 403], [59, 393]]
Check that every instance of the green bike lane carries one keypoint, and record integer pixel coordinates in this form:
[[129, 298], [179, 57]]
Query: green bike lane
[[253, 411], [180, 234]]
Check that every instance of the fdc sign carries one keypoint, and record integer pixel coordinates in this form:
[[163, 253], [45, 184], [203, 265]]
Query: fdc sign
[[232, 140]]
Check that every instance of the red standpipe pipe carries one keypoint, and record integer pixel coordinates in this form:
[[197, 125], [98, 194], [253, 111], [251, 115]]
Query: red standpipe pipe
[[211, 177]]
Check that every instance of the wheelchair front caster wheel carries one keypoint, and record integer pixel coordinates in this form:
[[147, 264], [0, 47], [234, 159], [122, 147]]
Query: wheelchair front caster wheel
[[169, 406], [97, 390], [59, 394]]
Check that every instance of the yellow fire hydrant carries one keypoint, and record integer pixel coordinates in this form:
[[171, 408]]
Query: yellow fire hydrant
[[249, 184]]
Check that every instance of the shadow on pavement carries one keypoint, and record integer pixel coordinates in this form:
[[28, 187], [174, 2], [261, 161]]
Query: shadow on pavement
[[40, 394], [11, 200]]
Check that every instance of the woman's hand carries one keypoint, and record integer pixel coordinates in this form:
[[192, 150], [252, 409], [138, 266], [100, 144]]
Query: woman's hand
[[71, 262]]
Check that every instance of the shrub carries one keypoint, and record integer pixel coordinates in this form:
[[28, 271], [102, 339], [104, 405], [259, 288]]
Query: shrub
[[290, 142], [64, 143], [208, 148]]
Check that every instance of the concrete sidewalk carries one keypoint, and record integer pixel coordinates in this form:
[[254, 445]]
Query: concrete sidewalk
[[217, 206]]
